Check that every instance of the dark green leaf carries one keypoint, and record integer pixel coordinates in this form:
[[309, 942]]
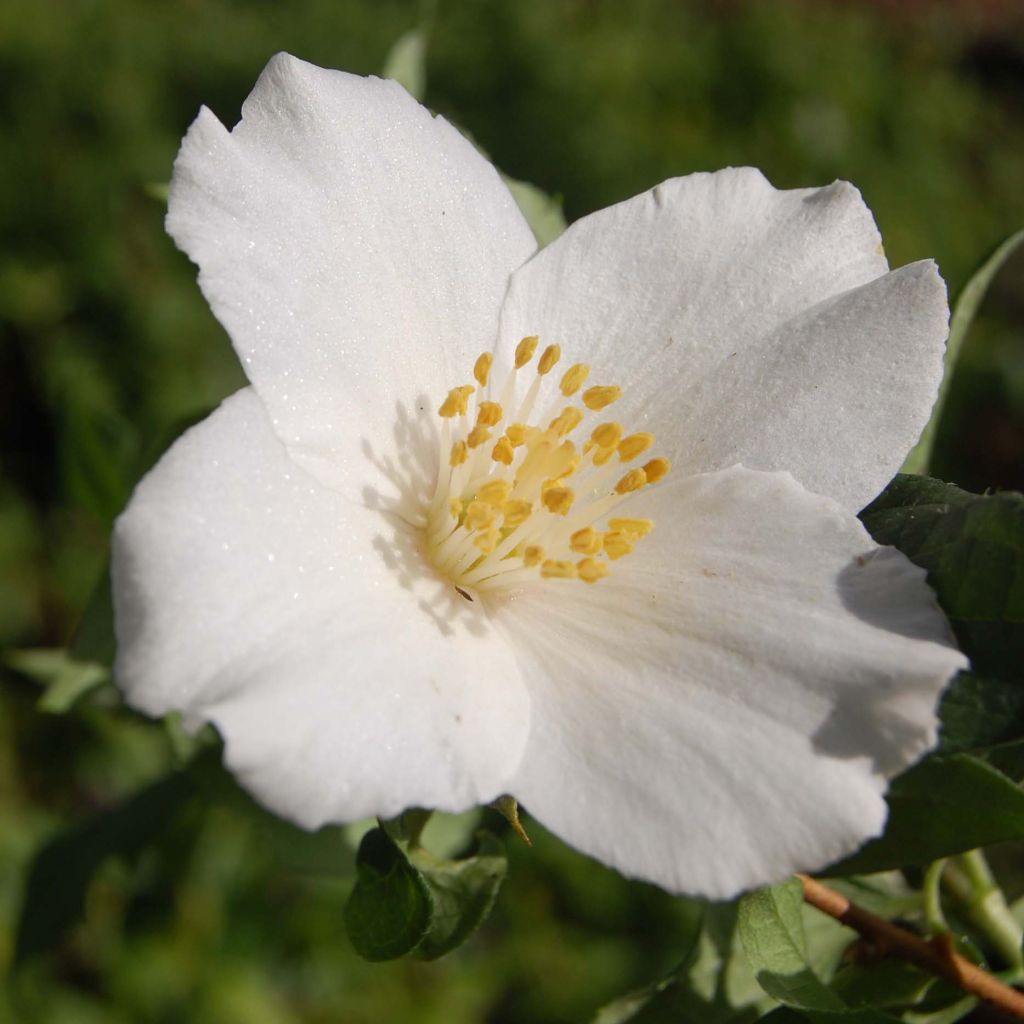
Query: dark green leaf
[[789, 1015], [771, 929], [887, 983], [389, 910], [462, 891], [94, 639], [942, 806], [406, 62], [62, 870]]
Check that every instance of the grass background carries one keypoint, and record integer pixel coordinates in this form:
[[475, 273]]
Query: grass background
[[107, 348]]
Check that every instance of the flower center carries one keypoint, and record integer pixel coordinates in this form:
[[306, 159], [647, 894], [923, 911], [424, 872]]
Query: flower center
[[518, 501]]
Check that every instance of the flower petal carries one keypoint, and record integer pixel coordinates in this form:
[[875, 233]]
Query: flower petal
[[345, 678], [726, 707], [354, 247], [664, 293]]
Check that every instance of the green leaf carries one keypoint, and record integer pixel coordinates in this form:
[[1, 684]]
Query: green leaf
[[462, 891], [972, 547], [964, 311], [388, 912], [65, 679], [62, 870], [406, 62], [789, 1015], [887, 983], [942, 806], [771, 929], [94, 638]]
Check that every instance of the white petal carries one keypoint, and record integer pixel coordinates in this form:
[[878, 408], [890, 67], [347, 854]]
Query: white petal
[[345, 679], [726, 707], [662, 294], [355, 248]]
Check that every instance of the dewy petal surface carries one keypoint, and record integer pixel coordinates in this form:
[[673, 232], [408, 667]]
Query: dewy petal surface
[[344, 679], [664, 292], [726, 707], [356, 249]]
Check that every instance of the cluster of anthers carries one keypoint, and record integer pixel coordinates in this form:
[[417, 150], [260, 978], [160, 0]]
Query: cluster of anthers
[[516, 501]]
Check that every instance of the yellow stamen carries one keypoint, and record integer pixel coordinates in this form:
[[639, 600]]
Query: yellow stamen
[[516, 433], [516, 513], [482, 369], [598, 398], [480, 515], [495, 492], [557, 570], [503, 451], [487, 541], [566, 421], [558, 499], [632, 481], [656, 469], [618, 543], [459, 454], [634, 527], [586, 541], [489, 414], [607, 435], [477, 436], [590, 570], [634, 445], [550, 356], [602, 455], [525, 350], [532, 556], [457, 402], [574, 378], [455, 508]]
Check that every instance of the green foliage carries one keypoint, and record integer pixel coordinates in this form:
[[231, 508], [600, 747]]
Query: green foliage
[[771, 928], [65, 679], [965, 309], [406, 899]]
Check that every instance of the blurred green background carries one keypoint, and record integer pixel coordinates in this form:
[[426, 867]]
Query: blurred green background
[[108, 348]]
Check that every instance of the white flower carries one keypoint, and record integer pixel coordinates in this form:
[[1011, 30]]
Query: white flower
[[727, 705]]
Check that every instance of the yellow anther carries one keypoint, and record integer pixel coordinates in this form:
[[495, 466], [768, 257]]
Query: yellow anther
[[482, 369], [459, 454], [603, 455], [525, 350], [490, 413], [574, 378], [656, 469], [558, 499], [516, 434], [618, 543], [455, 508], [590, 570], [607, 435], [533, 555], [457, 402], [480, 515], [566, 421], [634, 445], [477, 436], [495, 492], [553, 569], [487, 541], [516, 513], [503, 451], [634, 527], [586, 541], [632, 481], [548, 358], [599, 397]]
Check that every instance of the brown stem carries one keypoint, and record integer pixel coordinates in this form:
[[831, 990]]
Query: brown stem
[[936, 956]]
